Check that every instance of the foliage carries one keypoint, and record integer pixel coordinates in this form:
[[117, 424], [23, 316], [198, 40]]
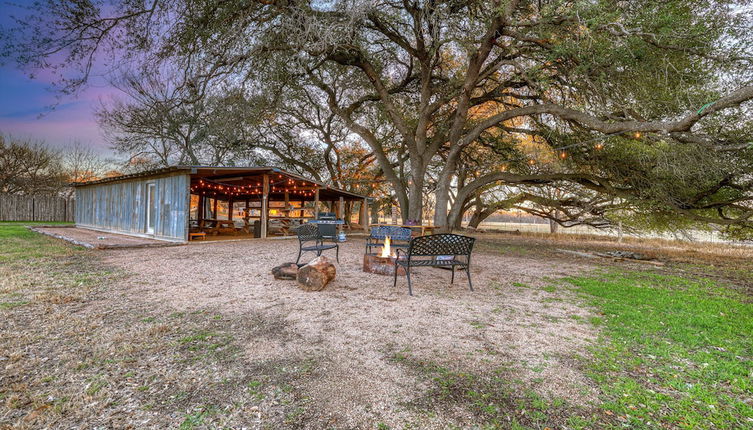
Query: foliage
[[423, 87]]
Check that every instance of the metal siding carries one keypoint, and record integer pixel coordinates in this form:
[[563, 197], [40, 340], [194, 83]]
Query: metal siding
[[121, 206]]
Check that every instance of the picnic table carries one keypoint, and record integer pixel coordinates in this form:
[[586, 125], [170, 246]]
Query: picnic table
[[219, 226]]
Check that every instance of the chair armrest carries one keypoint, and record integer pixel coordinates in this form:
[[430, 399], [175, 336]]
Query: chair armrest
[[398, 251]]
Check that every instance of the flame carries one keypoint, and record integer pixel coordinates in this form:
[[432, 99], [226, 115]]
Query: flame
[[386, 253]]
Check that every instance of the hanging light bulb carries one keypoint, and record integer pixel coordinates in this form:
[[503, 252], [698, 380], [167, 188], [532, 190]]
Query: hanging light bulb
[[563, 155], [531, 162], [599, 146]]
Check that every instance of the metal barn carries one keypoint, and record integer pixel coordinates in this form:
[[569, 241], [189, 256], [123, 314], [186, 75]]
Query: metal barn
[[181, 202]]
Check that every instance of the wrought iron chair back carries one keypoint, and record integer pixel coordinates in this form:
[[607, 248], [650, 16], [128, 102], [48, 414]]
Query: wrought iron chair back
[[441, 244], [436, 250], [394, 232], [308, 233]]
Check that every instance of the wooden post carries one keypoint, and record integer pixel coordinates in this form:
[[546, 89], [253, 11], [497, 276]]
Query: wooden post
[[201, 211], [265, 207], [316, 203], [341, 208], [214, 214], [364, 217], [230, 209]]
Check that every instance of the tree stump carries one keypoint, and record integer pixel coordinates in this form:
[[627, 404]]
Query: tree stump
[[316, 275], [286, 271]]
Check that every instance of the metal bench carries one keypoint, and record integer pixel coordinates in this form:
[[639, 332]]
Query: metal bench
[[308, 233], [436, 250], [399, 237]]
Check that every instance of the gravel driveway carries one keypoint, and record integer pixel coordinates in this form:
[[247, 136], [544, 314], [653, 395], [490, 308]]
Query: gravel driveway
[[518, 319]]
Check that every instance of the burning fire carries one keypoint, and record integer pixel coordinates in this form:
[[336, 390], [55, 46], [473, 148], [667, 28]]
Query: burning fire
[[386, 253]]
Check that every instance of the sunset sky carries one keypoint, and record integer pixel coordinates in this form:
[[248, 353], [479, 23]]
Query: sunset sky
[[25, 103]]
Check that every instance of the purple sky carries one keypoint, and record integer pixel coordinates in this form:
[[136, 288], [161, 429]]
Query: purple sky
[[25, 103]]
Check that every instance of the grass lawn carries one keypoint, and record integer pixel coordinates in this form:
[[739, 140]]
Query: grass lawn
[[18, 242], [672, 352]]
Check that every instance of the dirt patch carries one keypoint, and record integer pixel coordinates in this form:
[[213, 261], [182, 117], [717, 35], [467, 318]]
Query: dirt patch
[[81, 349], [517, 319]]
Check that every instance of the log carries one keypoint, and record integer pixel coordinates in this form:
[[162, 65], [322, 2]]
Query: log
[[317, 274], [286, 271]]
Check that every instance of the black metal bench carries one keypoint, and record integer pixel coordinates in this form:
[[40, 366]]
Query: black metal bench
[[308, 233], [399, 237], [436, 250]]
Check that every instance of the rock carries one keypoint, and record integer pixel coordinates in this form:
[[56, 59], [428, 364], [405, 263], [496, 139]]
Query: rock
[[286, 271], [317, 274]]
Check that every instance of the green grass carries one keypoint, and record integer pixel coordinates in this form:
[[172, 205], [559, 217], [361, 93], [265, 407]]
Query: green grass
[[673, 353], [18, 242]]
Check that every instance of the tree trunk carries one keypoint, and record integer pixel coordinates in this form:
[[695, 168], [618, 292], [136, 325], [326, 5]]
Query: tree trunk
[[457, 223], [475, 219], [440, 207], [375, 213], [415, 208], [479, 216]]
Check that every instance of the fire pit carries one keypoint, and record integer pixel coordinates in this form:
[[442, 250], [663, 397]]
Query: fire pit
[[382, 263]]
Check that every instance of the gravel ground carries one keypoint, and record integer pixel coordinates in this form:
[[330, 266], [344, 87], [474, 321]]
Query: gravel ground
[[518, 319]]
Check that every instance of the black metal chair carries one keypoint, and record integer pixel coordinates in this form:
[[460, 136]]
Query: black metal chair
[[308, 233], [436, 250], [399, 237], [328, 231]]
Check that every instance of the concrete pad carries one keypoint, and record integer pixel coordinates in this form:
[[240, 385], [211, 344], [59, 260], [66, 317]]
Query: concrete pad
[[100, 240]]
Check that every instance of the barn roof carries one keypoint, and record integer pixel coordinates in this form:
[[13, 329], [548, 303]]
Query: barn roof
[[219, 172]]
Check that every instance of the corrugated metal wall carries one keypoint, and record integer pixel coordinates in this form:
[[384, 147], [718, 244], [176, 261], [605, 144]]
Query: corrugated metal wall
[[121, 206]]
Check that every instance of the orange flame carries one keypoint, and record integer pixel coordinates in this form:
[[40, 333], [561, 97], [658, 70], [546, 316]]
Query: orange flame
[[386, 253]]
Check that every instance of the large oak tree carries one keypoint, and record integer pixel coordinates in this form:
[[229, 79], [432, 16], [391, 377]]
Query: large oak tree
[[617, 105]]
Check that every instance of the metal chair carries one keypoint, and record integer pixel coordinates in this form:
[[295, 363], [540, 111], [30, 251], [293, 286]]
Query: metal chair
[[310, 233]]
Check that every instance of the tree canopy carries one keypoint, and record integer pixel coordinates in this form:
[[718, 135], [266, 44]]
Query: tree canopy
[[580, 111]]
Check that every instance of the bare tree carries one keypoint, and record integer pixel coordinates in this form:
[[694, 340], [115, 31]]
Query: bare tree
[[29, 167]]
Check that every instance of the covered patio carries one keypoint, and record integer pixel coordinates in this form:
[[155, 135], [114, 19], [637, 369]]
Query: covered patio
[[260, 202], [183, 203]]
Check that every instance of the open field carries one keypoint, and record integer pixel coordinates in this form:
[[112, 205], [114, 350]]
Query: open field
[[201, 336]]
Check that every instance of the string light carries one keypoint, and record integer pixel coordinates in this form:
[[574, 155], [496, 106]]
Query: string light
[[286, 185]]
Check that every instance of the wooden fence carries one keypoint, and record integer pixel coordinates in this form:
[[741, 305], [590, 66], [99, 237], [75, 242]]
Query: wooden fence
[[35, 208]]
